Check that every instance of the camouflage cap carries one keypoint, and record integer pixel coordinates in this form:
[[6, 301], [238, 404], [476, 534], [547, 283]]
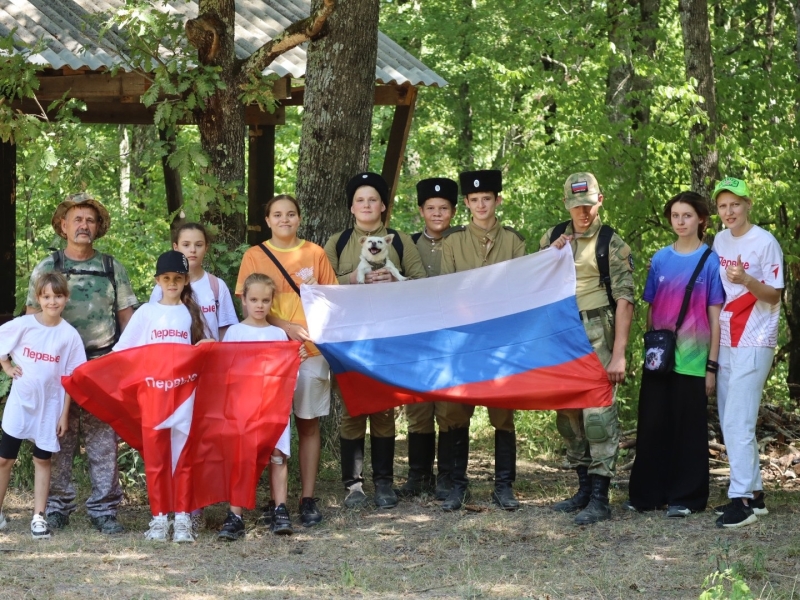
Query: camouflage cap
[[732, 185], [581, 189], [82, 199]]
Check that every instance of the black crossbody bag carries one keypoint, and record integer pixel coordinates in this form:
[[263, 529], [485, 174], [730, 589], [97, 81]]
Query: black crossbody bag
[[288, 278], [659, 344]]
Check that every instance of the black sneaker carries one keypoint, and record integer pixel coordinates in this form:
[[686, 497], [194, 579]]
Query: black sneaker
[[757, 504], [106, 524], [281, 522], [737, 514], [232, 528], [266, 516], [57, 520], [309, 513]]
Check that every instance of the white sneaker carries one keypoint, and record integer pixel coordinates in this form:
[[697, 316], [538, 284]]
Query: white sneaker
[[40, 530], [3, 521], [159, 529], [183, 533]]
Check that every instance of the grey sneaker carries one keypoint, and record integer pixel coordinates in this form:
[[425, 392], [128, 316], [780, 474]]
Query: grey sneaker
[[159, 529], [40, 530], [106, 524], [182, 529], [678, 512], [57, 520]]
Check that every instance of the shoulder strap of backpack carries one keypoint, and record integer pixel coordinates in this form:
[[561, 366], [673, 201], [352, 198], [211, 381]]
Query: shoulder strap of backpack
[[515, 232], [398, 247], [601, 254], [415, 237], [213, 281], [342, 242], [558, 231], [58, 260]]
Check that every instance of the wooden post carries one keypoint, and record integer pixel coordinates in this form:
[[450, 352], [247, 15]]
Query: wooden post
[[260, 180], [396, 148], [8, 229]]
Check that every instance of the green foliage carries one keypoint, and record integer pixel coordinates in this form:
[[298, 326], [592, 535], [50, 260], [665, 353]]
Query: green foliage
[[725, 586]]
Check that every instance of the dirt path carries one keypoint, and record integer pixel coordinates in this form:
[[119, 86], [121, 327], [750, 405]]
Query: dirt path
[[415, 551]]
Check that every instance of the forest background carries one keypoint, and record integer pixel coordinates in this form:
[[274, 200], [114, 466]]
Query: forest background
[[624, 89]]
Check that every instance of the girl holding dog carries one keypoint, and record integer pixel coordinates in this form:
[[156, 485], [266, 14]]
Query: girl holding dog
[[368, 195], [290, 261], [752, 274], [671, 466]]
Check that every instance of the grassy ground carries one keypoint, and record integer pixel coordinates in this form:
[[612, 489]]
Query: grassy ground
[[416, 550]]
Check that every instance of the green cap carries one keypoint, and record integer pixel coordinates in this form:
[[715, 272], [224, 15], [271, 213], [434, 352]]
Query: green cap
[[581, 189], [733, 185]]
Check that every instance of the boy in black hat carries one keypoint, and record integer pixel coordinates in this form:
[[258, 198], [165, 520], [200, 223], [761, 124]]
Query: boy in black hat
[[484, 241], [368, 195], [437, 199]]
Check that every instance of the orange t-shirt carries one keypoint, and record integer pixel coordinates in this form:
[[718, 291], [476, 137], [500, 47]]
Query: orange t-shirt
[[301, 262]]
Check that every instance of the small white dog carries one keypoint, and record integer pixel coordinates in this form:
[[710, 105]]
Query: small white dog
[[375, 255]]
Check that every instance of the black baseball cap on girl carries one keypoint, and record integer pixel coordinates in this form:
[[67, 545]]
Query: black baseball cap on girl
[[172, 262]]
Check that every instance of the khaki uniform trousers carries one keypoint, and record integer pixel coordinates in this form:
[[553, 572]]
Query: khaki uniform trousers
[[592, 434], [457, 416], [381, 425]]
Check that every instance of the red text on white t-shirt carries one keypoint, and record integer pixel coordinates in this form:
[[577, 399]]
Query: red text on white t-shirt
[[725, 263], [210, 308], [37, 356], [158, 334]]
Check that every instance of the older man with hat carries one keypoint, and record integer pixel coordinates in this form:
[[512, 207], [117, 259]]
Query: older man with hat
[[604, 292], [368, 196], [437, 199], [484, 241], [100, 304]]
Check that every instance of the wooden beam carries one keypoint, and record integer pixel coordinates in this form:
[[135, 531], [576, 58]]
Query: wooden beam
[[260, 180], [396, 148], [385, 95], [8, 229], [124, 87], [138, 114]]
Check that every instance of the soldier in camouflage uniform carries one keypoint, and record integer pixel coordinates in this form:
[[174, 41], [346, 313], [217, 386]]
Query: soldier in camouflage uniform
[[100, 304], [437, 199], [592, 434], [484, 241], [368, 195]]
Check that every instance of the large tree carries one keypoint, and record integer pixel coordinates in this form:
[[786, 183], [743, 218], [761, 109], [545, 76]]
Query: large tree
[[337, 116]]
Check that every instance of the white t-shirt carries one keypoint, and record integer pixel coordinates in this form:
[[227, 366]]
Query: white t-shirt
[[37, 397], [223, 316], [241, 332], [155, 323], [744, 320]]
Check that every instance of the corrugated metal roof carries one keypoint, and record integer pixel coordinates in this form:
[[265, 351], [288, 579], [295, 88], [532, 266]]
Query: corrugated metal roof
[[72, 41]]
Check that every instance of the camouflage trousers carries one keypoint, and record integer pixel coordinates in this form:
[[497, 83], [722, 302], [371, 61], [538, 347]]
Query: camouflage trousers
[[592, 434], [101, 449]]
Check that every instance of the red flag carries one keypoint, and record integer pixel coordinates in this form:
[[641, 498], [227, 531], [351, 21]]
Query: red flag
[[205, 418]]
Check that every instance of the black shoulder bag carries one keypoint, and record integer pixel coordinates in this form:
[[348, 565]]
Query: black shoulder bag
[[659, 344], [288, 278]]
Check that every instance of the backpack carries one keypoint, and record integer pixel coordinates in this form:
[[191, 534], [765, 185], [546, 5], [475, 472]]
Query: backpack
[[601, 254], [108, 272], [415, 237], [213, 281], [397, 244]]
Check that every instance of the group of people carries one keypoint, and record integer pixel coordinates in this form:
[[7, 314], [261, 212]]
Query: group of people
[[80, 306]]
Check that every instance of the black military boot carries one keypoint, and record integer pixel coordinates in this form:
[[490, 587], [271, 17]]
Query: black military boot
[[352, 472], [444, 465], [581, 498], [383, 471], [459, 495], [598, 508], [421, 450], [505, 469]]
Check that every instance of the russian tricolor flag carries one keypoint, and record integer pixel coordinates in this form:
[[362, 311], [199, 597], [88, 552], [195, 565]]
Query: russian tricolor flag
[[507, 335]]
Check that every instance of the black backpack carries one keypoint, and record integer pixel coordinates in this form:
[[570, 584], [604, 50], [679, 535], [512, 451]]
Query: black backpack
[[108, 272], [397, 244], [601, 254]]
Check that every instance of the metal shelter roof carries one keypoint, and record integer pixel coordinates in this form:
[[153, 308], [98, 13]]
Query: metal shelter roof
[[71, 40]]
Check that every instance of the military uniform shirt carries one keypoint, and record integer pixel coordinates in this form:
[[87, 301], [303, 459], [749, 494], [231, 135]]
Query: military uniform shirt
[[90, 308], [348, 261], [473, 247], [430, 251], [590, 292]]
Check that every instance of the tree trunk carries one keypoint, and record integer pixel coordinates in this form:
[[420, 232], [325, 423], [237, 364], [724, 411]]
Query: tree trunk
[[699, 64], [463, 106], [337, 117]]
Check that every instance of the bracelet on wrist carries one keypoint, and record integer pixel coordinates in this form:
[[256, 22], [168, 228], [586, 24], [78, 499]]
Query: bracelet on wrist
[[712, 363], [712, 370]]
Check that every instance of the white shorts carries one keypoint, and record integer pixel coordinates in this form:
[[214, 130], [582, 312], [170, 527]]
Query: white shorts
[[312, 396], [285, 442]]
